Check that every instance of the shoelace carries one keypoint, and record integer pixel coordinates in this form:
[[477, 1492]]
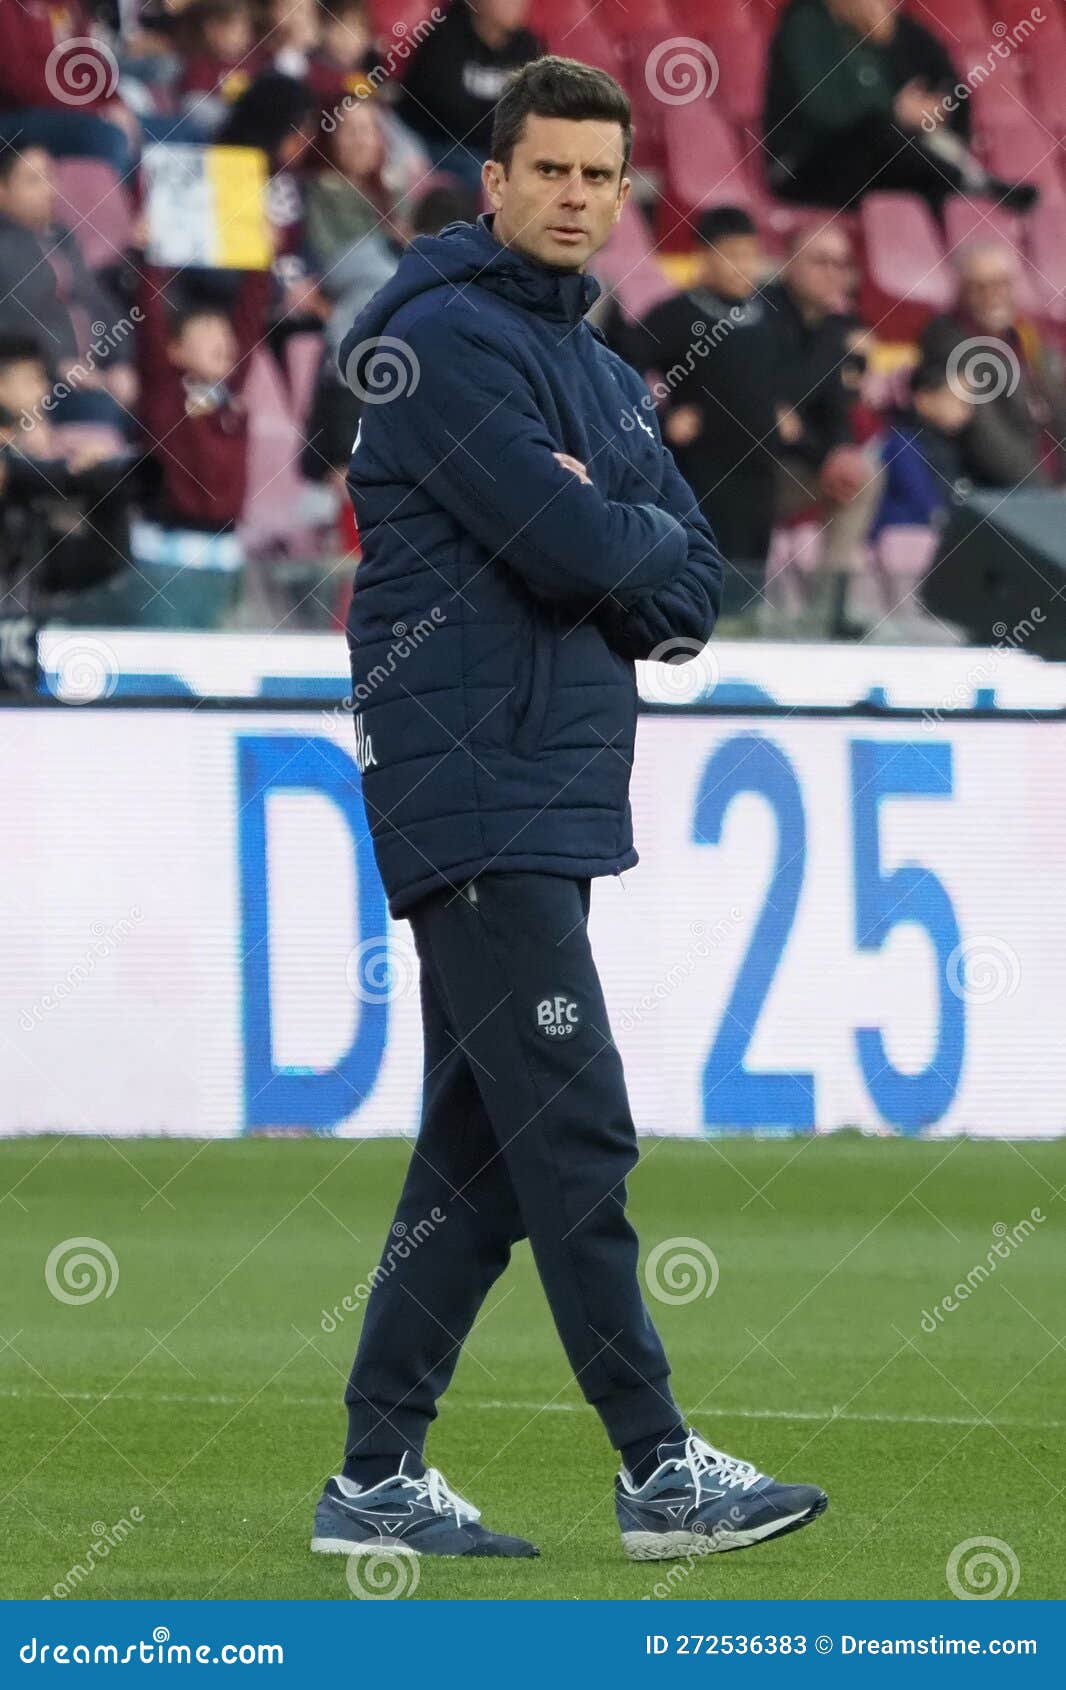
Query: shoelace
[[434, 1488], [701, 1457]]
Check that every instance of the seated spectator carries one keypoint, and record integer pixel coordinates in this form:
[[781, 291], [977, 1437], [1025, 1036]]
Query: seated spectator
[[193, 368], [218, 59], [854, 102], [804, 333], [38, 80], [456, 75], [46, 289], [921, 452], [1018, 419], [716, 413], [290, 31], [340, 68], [352, 200], [64, 493]]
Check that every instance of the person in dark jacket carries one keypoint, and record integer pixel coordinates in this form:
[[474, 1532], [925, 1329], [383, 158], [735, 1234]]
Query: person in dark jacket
[[924, 464], [456, 75], [521, 547], [860, 97], [704, 351]]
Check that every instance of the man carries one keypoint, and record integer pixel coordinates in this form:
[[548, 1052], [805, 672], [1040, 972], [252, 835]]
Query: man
[[707, 358], [806, 348], [1018, 421], [540, 547], [456, 75], [855, 102]]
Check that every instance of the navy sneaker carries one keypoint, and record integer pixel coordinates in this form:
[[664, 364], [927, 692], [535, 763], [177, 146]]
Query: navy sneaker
[[405, 1515], [700, 1501]]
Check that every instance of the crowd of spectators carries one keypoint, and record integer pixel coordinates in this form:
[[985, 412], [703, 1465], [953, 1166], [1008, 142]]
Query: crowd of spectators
[[127, 435]]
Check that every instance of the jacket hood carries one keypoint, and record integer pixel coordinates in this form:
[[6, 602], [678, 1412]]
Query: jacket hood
[[463, 253]]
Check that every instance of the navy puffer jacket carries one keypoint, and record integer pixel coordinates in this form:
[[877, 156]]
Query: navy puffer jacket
[[500, 601]]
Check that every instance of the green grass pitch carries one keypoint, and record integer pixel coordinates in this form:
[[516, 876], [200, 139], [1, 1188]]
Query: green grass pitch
[[204, 1394]]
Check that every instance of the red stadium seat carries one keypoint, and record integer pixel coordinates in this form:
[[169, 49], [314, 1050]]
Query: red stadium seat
[[906, 278], [1046, 232], [303, 355], [628, 266], [1023, 151], [703, 165], [91, 200]]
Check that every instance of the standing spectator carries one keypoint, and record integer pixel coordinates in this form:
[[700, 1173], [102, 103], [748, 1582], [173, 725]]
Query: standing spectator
[[718, 406], [47, 291], [854, 102], [219, 57], [41, 68], [924, 463], [457, 74], [805, 352], [193, 368], [1018, 420]]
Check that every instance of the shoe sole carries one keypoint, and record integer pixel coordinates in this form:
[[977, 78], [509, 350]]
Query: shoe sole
[[366, 1546], [672, 1546]]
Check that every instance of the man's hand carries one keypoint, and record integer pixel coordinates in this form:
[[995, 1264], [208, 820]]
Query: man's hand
[[844, 473], [916, 106], [575, 466], [789, 425], [683, 425]]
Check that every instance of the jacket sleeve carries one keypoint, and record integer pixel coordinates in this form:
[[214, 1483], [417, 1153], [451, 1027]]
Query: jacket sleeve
[[677, 618], [468, 430]]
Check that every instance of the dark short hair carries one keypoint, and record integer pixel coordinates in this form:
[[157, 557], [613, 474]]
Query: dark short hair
[[554, 87], [20, 349], [442, 205], [929, 376], [722, 222]]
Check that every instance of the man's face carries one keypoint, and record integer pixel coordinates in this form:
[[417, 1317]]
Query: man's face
[[23, 387], [28, 196], [503, 14], [818, 273], [988, 291], [733, 267], [564, 190]]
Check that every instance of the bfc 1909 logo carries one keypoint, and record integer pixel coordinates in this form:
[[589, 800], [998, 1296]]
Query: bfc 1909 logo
[[558, 1017]]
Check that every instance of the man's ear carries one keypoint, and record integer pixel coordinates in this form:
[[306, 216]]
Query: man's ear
[[493, 176], [623, 194]]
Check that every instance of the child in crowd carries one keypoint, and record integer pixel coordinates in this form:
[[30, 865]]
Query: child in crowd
[[219, 57], [921, 452]]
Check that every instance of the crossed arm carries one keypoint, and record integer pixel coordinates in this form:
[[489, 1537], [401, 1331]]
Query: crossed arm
[[468, 430]]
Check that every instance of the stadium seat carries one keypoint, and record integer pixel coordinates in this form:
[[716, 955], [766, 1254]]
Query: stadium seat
[[703, 166], [628, 266], [1046, 239], [274, 516], [905, 276], [1022, 150], [92, 201]]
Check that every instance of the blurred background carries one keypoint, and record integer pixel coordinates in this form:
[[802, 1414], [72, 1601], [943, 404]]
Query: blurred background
[[842, 270]]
